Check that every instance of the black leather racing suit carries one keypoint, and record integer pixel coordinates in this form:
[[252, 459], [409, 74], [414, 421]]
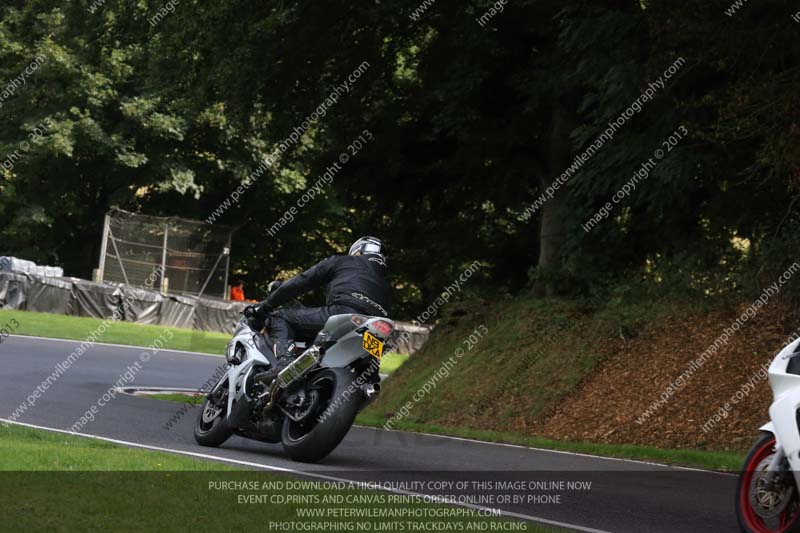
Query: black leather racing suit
[[354, 284]]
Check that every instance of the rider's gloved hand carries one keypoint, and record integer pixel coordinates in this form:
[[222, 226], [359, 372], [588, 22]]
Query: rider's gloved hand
[[259, 311]]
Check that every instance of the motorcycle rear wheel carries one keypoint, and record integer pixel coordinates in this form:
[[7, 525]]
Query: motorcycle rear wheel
[[315, 437], [749, 487]]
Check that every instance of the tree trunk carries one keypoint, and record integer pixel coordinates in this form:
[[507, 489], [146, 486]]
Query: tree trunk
[[552, 232]]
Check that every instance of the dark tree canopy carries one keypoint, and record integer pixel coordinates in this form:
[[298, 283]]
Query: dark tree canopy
[[464, 124]]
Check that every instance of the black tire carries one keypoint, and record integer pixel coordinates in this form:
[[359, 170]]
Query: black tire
[[749, 521], [215, 432], [323, 431]]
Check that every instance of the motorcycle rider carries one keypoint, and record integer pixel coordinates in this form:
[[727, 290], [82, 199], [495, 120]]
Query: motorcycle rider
[[354, 283]]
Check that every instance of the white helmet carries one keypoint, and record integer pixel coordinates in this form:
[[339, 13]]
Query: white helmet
[[368, 246]]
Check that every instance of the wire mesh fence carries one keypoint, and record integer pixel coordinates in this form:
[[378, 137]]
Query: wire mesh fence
[[189, 256]]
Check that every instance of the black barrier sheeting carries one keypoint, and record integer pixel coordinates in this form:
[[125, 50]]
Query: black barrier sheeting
[[13, 290], [217, 315], [177, 311], [96, 300], [140, 305], [77, 297], [50, 295]]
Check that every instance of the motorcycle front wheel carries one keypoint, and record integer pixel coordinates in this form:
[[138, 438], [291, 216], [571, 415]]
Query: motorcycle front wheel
[[760, 510], [211, 428], [338, 401]]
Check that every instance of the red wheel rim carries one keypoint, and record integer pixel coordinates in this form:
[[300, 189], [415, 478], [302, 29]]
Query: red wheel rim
[[754, 522]]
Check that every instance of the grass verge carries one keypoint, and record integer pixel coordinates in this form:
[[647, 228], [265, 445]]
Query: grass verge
[[391, 362], [27, 449], [513, 369], [66, 483], [78, 329], [193, 399], [710, 460]]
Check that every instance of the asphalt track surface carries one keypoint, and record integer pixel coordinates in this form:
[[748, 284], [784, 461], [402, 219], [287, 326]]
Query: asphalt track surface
[[624, 495]]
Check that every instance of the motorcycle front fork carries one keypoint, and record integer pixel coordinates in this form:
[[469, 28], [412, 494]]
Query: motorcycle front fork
[[775, 468]]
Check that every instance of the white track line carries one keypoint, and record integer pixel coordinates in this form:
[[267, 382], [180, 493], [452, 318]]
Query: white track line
[[184, 352], [548, 450], [476, 441], [578, 454], [426, 497]]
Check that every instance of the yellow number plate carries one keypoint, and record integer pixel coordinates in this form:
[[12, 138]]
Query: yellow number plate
[[373, 345]]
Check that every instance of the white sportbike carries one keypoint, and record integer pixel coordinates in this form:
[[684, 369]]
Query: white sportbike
[[310, 404], [767, 497]]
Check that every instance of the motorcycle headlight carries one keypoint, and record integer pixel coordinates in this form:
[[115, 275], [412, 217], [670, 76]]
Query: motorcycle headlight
[[236, 355]]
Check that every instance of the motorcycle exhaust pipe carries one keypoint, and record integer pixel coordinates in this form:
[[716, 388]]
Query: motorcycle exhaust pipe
[[296, 370], [299, 367], [241, 410], [372, 391]]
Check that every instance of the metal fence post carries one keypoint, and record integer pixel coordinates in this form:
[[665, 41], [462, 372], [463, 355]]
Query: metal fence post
[[164, 261], [225, 251], [101, 266], [225, 291], [119, 257]]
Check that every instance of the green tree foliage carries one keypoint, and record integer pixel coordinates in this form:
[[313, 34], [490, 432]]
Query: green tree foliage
[[468, 123]]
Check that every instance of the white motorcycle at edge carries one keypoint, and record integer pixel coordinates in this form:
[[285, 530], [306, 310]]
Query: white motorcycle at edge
[[767, 495]]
